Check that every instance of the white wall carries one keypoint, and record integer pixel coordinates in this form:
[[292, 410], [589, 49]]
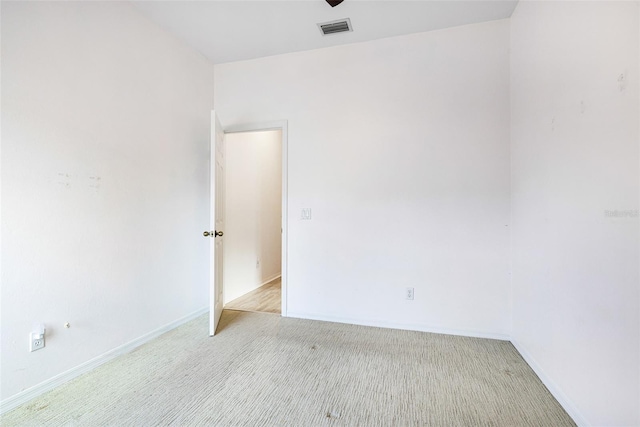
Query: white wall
[[253, 206], [401, 149], [104, 182], [575, 130]]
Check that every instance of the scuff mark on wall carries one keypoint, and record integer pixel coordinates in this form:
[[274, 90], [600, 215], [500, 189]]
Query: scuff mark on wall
[[64, 180], [622, 82], [95, 182]]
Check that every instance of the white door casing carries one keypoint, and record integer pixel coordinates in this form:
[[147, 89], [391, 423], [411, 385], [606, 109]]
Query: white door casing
[[216, 171]]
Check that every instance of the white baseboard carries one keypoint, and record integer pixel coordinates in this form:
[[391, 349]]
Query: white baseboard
[[404, 326], [56, 381], [228, 299], [271, 279], [553, 388]]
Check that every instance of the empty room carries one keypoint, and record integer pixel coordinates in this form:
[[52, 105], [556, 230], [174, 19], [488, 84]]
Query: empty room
[[438, 199]]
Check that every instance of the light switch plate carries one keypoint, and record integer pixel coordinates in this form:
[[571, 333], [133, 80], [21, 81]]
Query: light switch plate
[[305, 214]]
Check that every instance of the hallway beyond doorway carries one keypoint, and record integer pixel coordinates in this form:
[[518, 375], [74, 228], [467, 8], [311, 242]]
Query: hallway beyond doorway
[[266, 299]]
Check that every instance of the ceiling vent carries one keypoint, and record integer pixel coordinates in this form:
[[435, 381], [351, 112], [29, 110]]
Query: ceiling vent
[[333, 27]]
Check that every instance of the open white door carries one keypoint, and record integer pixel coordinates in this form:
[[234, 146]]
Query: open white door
[[216, 222]]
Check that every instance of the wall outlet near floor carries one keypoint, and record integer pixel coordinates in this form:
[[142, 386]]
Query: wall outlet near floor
[[36, 339], [408, 293]]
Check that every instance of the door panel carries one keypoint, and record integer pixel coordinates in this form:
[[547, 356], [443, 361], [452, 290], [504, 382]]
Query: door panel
[[216, 223]]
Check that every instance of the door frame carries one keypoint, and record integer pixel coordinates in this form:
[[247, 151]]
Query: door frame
[[281, 125]]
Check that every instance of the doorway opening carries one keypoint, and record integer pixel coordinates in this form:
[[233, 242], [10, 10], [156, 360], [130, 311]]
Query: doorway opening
[[255, 194]]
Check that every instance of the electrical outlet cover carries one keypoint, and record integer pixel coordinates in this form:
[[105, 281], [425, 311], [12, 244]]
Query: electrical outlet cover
[[409, 294], [36, 342]]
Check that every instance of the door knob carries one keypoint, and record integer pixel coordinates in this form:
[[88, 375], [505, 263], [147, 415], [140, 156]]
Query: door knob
[[206, 234], [213, 234], [218, 234]]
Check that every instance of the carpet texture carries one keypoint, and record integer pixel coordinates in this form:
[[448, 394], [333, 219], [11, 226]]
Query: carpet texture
[[264, 370]]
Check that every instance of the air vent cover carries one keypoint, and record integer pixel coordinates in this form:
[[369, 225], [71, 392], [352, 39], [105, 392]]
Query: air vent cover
[[333, 27]]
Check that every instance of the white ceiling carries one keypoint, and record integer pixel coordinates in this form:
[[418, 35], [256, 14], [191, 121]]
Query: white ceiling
[[234, 30]]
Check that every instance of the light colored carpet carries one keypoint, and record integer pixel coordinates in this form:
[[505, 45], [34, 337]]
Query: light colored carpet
[[264, 370]]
